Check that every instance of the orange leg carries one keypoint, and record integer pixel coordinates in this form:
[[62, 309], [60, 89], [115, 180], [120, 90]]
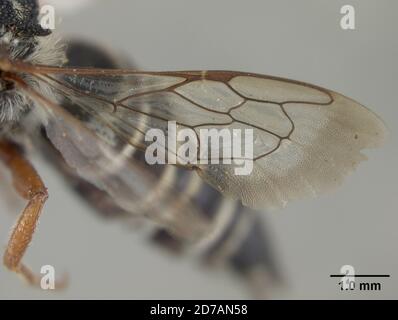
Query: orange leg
[[29, 185]]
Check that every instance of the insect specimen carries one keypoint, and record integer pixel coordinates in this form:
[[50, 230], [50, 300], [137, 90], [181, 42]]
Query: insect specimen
[[305, 140]]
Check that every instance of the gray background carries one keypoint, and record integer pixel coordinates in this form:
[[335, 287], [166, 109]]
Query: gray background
[[296, 39]]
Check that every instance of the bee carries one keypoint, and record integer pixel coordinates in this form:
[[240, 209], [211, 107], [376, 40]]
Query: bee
[[93, 123]]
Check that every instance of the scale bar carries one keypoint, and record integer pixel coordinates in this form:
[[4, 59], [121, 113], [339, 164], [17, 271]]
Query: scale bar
[[360, 275]]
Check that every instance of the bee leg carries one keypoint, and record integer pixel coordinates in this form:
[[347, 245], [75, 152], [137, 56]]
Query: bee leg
[[29, 185]]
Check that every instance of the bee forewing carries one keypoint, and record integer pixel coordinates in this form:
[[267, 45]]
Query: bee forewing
[[305, 138]]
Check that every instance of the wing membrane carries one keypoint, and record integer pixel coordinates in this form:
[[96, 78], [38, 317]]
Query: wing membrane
[[306, 138]]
